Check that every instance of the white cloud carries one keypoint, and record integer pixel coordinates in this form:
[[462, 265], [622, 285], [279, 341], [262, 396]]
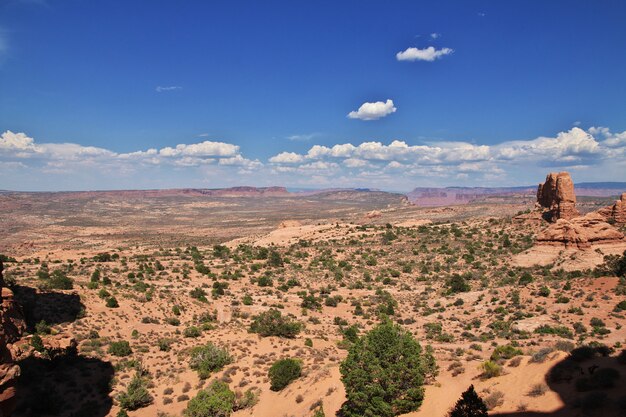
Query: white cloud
[[161, 89], [206, 148], [435, 35], [286, 158], [573, 149], [596, 154], [303, 137], [373, 111], [17, 142], [427, 54]]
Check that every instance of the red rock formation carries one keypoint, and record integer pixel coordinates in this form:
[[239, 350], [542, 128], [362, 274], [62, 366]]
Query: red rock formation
[[557, 195], [12, 325], [615, 213], [580, 232]]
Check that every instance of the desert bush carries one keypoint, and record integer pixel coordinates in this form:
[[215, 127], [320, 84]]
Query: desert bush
[[456, 284], [283, 372], [207, 359], [383, 373], [199, 294], [525, 279], [112, 302], [248, 399], [537, 390], [120, 348], [493, 400], [272, 323], [37, 343], [505, 352], [192, 331], [215, 401], [555, 330], [469, 405], [491, 369], [541, 355], [59, 281], [136, 395]]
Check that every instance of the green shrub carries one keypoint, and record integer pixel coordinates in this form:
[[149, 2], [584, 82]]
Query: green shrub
[[43, 328], [164, 344], [505, 352], [525, 279], [136, 395], [283, 371], [556, 330], [384, 372], [37, 343], [247, 300], [120, 348], [215, 401], [272, 323], [457, 284], [491, 369], [192, 331], [59, 281], [207, 359], [199, 294], [544, 291], [112, 302]]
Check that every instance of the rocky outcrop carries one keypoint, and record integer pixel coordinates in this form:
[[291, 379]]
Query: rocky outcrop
[[12, 325], [580, 232], [557, 195], [616, 213]]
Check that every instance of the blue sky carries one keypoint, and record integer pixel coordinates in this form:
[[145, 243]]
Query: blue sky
[[97, 95]]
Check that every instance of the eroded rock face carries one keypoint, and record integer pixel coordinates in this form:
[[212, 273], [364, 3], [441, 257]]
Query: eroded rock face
[[12, 325], [580, 232], [557, 195], [617, 212]]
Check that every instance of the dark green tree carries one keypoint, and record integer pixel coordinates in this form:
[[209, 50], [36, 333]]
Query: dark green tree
[[469, 405], [383, 373]]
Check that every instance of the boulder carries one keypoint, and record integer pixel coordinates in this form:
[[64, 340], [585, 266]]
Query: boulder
[[580, 232], [557, 195], [616, 213]]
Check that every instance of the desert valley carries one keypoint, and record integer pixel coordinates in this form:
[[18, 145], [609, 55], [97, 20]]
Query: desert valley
[[255, 302], [408, 208]]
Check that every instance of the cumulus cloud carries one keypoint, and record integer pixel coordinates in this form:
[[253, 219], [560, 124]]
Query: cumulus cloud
[[598, 153], [286, 158], [161, 89], [373, 111], [17, 142], [427, 54], [206, 148], [573, 149]]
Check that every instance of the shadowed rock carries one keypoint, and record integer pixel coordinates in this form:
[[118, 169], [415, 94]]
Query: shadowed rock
[[67, 385], [12, 325], [53, 307], [589, 382], [617, 212]]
